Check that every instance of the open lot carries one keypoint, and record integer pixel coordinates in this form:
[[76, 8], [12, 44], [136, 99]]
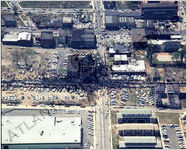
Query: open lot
[[55, 4], [87, 137], [168, 118]]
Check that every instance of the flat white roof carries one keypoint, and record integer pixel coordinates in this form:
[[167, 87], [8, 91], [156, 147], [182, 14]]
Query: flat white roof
[[140, 139], [10, 37], [120, 57], [40, 129], [160, 42], [17, 36], [111, 50], [138, 66], [24, 36]]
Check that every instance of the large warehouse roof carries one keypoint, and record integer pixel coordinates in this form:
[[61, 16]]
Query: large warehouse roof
[[10, 37], [24, 36], [40, 129], [17, 36]]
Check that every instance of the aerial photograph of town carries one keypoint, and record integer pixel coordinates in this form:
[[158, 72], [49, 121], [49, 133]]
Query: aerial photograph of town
[[93, 74]]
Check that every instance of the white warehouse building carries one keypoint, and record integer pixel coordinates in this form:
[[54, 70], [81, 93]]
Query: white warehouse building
[[41, 132], [18, 38]]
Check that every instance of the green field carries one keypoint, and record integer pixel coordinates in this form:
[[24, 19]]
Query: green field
[[168, 118], [55, 4], [4, 4], [115, 139]]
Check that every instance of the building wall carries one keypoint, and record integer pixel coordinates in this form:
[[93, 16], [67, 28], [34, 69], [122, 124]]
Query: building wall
[[42, 146], [20, 43], [134, 120], [138, 132], [47, 43]]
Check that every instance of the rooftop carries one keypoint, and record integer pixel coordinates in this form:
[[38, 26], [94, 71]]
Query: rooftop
[[120, 57], [140, 139], [159, 5], [137, 126], [111, 19], [8, 17], [138, 35], [17, 36], [138, 66], [46, 35], [66, 19], [82, 35], [24, 36], [40, 129], [10, 37]]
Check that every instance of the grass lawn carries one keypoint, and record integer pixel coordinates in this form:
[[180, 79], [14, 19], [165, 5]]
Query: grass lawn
[[4, 4], [113, 117], [115, 139], [168, 118], [55, 4]]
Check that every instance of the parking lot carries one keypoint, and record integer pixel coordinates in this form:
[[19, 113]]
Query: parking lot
[[172, 137], [86, 116]]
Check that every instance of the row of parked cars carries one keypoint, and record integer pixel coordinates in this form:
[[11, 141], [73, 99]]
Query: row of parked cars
[[179, 135], [124, 96], [113, 97], [90, 125]]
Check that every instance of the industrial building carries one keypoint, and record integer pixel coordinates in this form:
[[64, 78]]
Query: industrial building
[[139, 38], [81, 65], [138, 129], [115, 20], [136, 116], [173, 96], [47, 40], [41, 132], [160, 11], [136, 67], [18, 38], [140, 142], [83, 39], [9, 20], [167, 96]]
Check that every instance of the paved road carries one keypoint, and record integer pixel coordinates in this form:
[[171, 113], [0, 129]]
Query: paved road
[[102, 123]]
